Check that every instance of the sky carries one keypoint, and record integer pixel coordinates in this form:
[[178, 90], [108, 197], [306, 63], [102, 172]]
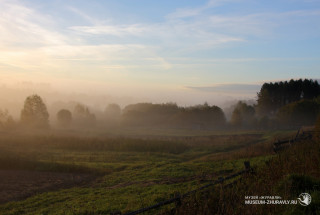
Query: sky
[[184, 51]]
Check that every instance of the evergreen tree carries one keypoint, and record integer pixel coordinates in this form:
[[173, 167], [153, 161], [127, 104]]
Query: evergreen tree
[[273, 96]]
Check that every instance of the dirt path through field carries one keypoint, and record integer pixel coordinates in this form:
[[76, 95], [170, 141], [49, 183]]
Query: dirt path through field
[[20, 184]]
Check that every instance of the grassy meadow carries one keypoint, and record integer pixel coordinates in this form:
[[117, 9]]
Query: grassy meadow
[[125, 173], [287, 174]]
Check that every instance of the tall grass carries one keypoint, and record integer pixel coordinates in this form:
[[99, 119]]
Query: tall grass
[[288, 174]]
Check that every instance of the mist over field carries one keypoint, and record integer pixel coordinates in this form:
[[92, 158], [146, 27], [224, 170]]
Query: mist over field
[[71, 155], [159, 107], [278, 105], [12, 96]]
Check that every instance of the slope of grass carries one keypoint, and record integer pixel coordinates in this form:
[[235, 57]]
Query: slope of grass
[[132, 173], [288, 174]]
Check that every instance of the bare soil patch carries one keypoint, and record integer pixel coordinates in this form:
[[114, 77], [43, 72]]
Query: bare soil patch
[[20, 184]]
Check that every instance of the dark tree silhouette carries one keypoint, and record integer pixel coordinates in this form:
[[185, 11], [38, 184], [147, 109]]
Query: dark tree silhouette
[[298, 113], [34, 112], [169, 115], [203, 116], [148, 114], [273, 96], [64, 117]]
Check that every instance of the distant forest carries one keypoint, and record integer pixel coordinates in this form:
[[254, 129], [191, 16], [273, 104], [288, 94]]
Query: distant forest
[[288, 104]]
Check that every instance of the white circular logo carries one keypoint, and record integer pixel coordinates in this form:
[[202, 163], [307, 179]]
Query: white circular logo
[[304, 199]]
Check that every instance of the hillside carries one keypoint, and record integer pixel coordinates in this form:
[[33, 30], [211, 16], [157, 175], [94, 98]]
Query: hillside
[[290, 173]]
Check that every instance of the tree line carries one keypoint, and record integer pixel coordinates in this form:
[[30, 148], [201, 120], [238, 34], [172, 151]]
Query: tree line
[[273, 96], [279, 105], [172, 116], [290, 103], [34, 114]]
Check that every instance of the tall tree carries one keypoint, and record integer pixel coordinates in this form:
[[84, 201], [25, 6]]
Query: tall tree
[[34, 112], [273, 96]]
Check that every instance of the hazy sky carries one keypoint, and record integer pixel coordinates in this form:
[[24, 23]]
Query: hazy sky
[[177, 50]]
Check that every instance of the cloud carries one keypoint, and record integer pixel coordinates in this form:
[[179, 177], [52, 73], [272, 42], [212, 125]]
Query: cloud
[[33, 41], [234, 88], [201, 31], [242, 25], [191, 12], [21, 26], [184, 35], [30, 42], [85, 16], [115, 30]]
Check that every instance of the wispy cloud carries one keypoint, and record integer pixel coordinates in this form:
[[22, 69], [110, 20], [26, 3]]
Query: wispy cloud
[[85, 16], [180, 42], [203, 30], [29, 41], [115, 30], [183, 35], [191, 12], [23, 27], [234, 88]]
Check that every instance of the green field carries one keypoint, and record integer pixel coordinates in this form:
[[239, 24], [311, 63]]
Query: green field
[[124, 173]]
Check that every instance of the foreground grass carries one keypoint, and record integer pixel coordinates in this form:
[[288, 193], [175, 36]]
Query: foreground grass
[[131, 173], [288, 174]]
